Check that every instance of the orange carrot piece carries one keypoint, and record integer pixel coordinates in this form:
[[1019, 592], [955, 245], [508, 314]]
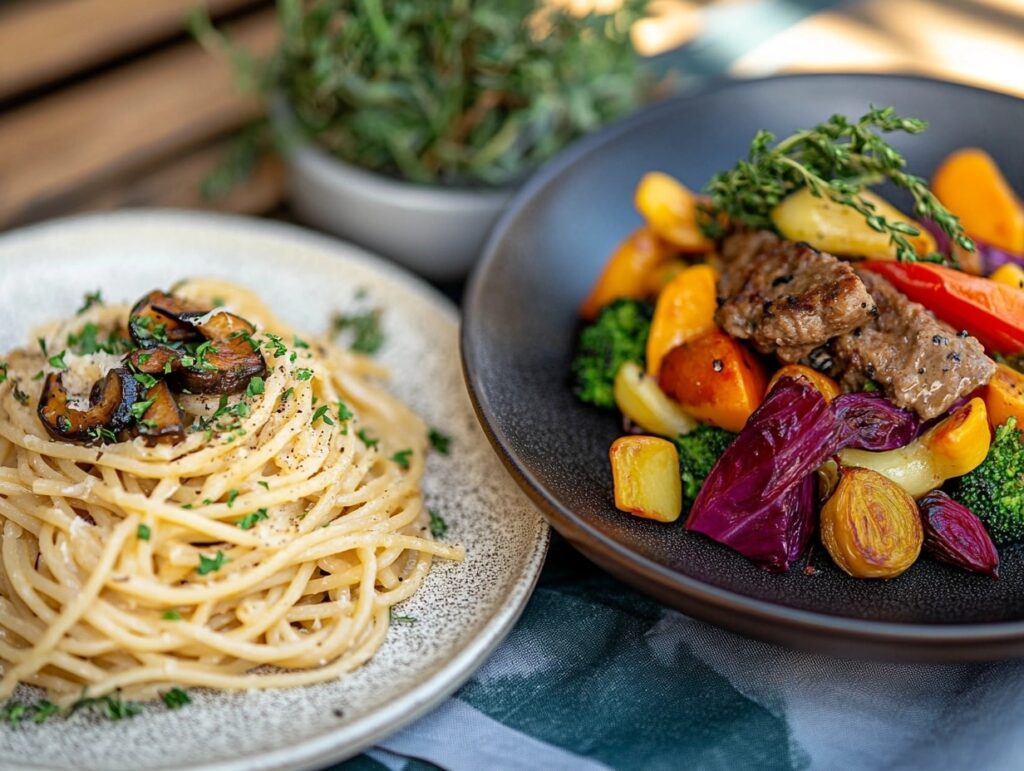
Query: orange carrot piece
[[627, 272]]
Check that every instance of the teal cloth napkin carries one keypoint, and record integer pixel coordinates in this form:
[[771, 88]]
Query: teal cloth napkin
[[596, 675]]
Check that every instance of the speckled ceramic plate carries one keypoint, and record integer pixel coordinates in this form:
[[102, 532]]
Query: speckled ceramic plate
[[520, 324], [463, 610]]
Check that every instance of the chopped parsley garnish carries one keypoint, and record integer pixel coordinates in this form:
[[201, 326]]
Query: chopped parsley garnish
[[139, 408], [321, 414], [264, 484], [438, 526], [287, 394], [400, 619], [150, 425], [42, 345], [38, 375], [367, 337], [298, 342], [402, 458], [274, 344], [175, 698], [57, 361], [112, 706], [211, 564], [439, 440], [344, 413], [366, 439], [147, 381], [102, 435], [20, 395], [303, 374], [232, 494], [90, 299], [249, 520], [14, 712], [171, 615], [3, 370], [255, 387], [87, 342], [144, 532]]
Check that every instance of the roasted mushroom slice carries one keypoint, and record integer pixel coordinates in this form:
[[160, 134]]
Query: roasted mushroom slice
[[110, 407], [157, 317], [161, 421], [227, 361], [158, 360]]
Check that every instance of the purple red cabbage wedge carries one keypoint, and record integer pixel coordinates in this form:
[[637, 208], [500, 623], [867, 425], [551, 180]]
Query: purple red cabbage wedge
[[759, 497], [872, 422], [953, 534]]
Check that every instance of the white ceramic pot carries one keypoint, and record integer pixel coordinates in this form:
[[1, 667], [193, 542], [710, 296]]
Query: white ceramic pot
[[436, 231]]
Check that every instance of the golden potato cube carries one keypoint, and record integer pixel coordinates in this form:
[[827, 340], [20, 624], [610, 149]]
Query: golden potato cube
[[645, 473]]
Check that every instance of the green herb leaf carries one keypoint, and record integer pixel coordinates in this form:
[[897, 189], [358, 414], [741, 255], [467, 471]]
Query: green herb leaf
[[171, 615], [400, 619], [366, 439], [232, 494], [175, 698], [321, 414], [57, 361], [367, 336], [211, 564], [143, 532], [255, 387], [439, 441], [402, 458], [438, 527], [139, 408], [298, 342], [249, 520], [146, 381], [303, 374], [89, 300], [264, 484]]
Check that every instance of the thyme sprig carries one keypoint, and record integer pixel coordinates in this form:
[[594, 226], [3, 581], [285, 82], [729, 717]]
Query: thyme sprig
[[838, 159]]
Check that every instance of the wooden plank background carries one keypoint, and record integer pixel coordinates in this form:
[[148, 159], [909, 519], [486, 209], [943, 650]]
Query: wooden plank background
[[109, 103]]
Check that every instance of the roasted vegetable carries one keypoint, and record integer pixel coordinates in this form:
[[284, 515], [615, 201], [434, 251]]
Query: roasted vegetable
[[672, 211], [645, 473], [628, 272], [699, 450], [639, 398], [954, 534], [828, 387], [758, 499], [109, 412], [685, 310], [161, 422], [1004, 396], [618, 335], [994, 491], [992, 312], [158, 360], [715, 379], [1010, 274], [970, 184], [839, 229], [156, 318], [229, 362], [949, 449], [870, 526], [874, 423]]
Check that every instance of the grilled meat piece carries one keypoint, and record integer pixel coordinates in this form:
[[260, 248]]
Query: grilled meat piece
[[785, 297], [919, 362]]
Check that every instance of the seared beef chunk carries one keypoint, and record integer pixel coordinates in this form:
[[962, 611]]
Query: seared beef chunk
[[786, 297], [918, 361]]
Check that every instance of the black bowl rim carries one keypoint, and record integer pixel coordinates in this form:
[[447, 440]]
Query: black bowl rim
[[607, 550]]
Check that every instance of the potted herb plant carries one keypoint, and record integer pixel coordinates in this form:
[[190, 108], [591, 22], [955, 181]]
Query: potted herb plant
[[407, 125]]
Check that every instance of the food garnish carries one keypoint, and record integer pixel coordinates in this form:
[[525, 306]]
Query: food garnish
[[994, 490], [836, 159], [619, 334]]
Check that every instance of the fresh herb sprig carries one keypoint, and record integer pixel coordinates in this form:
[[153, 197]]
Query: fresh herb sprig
[[838, 159]]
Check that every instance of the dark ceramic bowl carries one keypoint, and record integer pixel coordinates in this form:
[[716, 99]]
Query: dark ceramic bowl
[[517, 341]]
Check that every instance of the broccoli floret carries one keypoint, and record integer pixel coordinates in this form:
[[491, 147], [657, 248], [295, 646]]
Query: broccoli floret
[[617, 335], [699, 450], [994, 491]]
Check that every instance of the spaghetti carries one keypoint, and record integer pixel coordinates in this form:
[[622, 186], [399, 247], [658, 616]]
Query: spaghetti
[[265, 549]]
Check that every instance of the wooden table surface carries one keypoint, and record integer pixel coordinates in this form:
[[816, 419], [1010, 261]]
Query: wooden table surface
[[109, 103]]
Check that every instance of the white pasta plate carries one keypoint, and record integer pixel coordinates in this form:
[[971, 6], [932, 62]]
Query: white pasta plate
[[463, 609]]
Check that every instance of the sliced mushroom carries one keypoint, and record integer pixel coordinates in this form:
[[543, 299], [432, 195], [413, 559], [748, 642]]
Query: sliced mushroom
[[229, 362], [158, 360], [162, 422], [157, 317], [110, 407]]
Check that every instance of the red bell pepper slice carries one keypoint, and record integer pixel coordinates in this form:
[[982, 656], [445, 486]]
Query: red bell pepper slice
[[992, 312]]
